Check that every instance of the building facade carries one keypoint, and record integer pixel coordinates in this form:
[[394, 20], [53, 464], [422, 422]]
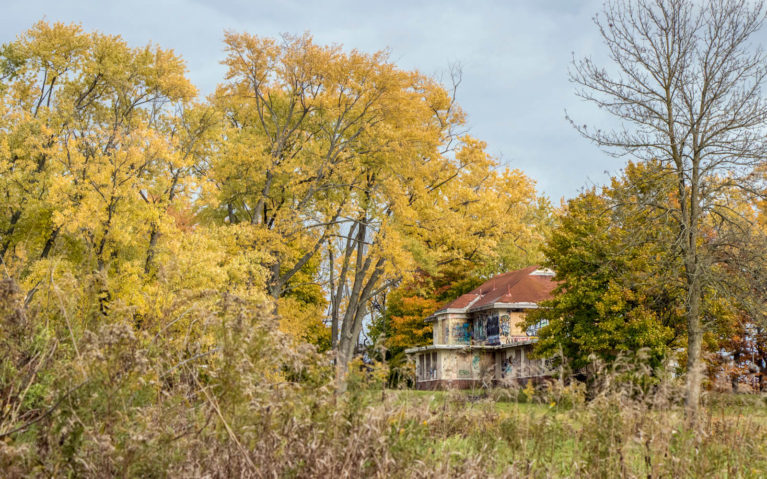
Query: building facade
[[480, 340]]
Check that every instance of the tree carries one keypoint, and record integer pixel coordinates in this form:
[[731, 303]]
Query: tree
[[738, 343], [298, 116], [100, 146], [344, 156], [307, 160], [685, 83], [619, 286], [88, 126], [398, 323]]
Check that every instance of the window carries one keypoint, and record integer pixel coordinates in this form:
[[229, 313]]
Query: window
[[533, 330]]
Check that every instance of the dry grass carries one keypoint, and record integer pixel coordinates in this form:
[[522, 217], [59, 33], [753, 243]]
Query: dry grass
[[236, 399]]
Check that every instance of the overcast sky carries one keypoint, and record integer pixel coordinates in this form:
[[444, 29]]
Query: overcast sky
[[514, 55]]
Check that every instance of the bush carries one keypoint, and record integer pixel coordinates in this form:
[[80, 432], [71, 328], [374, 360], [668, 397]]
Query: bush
[[221, 393]]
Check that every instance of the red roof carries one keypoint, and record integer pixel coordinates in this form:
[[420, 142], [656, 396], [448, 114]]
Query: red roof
[[521, 286]]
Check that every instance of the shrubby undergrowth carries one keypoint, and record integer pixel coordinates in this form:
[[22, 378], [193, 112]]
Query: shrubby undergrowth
[[217, 392]]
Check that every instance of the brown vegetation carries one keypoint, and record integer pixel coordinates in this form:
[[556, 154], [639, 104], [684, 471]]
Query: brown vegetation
[[105, 400]]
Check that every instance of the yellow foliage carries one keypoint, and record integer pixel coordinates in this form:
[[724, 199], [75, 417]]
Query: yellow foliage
[[125, 194], [303, 322]]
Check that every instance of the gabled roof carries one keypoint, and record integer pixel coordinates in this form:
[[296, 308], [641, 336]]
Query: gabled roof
[[530, 285]]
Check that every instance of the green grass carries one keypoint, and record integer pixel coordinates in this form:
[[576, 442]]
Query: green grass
[[603, 438], [476, 400]]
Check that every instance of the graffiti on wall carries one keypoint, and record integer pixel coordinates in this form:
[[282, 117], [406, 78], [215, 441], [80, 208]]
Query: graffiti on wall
[[475, 362], [506, 368], [461, 333], [480, 334], [493, 336], [505, 325], [533, 330]]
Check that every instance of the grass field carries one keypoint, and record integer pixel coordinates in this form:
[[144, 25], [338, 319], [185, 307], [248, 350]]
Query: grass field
[[731, 406], [121, 405], [490, 433]]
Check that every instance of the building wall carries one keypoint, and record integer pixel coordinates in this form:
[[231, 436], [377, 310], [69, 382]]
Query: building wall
[[497, 326], [428, 366], [456, 365], [478, 367], [451, 328], [516, 323], [437, 334], [458, 368], [459, 329], [516, 363]]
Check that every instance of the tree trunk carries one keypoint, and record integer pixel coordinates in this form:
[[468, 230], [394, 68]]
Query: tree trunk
[[333, 306], [11, 227], [694, 345], [276, 286], [49, 243], [347, 343], [150, 251]]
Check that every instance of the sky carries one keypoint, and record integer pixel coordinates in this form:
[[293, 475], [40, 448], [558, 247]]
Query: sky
[[514, 55]]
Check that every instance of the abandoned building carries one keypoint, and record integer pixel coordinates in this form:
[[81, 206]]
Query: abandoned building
[[480, 339]]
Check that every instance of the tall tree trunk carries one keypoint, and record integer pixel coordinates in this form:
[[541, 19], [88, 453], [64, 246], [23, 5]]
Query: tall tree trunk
[[335, 309], [694, 291], [276, 286], [694, 347], [333, 302], [353, 318], [347, 344], [353, 308]]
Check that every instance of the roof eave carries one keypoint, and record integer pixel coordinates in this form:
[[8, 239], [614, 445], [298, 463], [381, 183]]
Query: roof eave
[[471, 347], [441, 312], [433, 347], [519, 305]]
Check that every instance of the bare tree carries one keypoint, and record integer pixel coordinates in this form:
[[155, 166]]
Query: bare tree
[[685, 84]]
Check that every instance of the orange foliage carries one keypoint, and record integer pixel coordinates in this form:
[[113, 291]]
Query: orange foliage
[[407, 326]]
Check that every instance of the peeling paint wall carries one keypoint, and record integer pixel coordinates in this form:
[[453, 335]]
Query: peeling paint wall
[[491, 327], [516, 363], [437, 336], [463, 365], [459, 330], [497, 327], [515, 321], [475, 365], [494, 327], [442, 364], [480, 365]]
